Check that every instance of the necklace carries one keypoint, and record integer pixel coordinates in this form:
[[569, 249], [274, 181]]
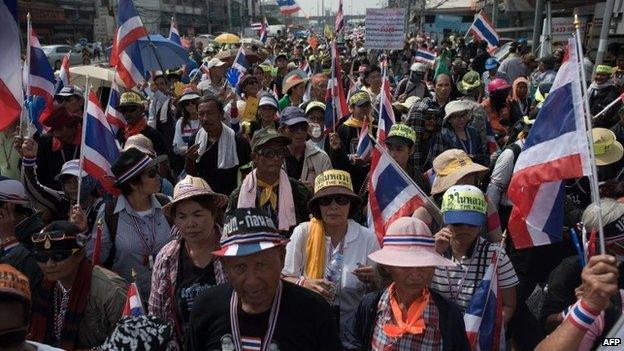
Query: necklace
[[61, 301]]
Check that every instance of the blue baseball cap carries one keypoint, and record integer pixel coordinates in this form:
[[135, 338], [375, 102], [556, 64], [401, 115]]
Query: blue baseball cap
[[491, 63], [464, 204]]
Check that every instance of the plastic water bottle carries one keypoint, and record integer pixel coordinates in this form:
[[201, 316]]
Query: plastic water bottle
[[333, 273]]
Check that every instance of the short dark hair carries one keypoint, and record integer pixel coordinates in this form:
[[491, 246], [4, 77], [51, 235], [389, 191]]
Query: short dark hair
[[211, 98]]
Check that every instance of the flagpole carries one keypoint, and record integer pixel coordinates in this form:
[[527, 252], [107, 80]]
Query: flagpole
[[28, 110], [609, 106], [593, 178], [82, 139]]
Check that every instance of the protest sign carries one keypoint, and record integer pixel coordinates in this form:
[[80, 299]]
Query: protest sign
[[385, 29]]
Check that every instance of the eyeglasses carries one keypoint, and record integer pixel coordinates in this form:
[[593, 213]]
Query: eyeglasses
[[13, 337], [272, 153], [151, 173], [340, 200], [52, 236], [54, 255]]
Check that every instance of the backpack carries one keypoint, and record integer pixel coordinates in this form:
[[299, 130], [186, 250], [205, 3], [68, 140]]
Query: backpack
[[111, 219]]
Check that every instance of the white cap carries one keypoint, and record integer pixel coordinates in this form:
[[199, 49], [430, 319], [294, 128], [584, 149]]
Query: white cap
[[12, 191], [215, 62], [418, 67], [72, 168]]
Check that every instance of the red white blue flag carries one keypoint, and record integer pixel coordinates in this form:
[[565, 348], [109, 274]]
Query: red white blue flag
[[11, 93], [63, 78], [100, 149], [555, 150], [425, 56], [174, 34], [114, 117], [335, 102], [339, 23], [133, 306], [484, 315], [288, 7], [364, 146], [40, 75], [126, 53], [264, 31], [483, 29], [251, 344]]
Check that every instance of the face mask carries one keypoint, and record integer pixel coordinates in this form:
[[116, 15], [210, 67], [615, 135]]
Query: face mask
[[315, 130]]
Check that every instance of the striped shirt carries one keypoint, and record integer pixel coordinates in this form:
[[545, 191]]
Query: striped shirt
[[458, 283]]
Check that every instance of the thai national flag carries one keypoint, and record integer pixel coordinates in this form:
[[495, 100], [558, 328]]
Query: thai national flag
[[484, 316], [174, 34], [126, 54], [484, 30], [555, 150], [240, 65], [100, 149], [251, 344], [133, 307], [335, 102], [40, 75], [264, 31], [11, 93], [339, 23], [364, 144], [63, 78], [386, 113], [288, 7], [305, 66], [114, 117], [425, 56]]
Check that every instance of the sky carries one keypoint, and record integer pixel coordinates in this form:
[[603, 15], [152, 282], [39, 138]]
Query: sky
[[358, 8]]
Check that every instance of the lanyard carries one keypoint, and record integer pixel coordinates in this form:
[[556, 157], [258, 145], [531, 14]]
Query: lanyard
[[469, 148], [149, 249], [272, 320], [455, 293]]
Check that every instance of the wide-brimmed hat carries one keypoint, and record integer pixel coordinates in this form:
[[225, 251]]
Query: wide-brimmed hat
[[291, 80], [247, 231], [12, 191], [452, 165], [469, 82], [333, 182], [190, 187], [606, 147], [408, 243], [408, 103], [132, 162], [141, 142], [464, 204], [457, 106], [72, 168], [14, 283]]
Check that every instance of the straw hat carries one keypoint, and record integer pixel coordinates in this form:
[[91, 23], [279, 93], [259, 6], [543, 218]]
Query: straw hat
[[409, 243], [452, 165], [606, 148], [191, 187], [332, 182], [292, 79]]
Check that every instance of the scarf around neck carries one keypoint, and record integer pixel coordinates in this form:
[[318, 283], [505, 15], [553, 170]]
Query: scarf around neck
[[134, 129], [413, 323]]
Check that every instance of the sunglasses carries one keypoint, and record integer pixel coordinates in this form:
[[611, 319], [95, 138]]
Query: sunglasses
[[340, 200], [127, 109], [272, 153], [52, 236], [12, 338], [151, 173], [54, 255]]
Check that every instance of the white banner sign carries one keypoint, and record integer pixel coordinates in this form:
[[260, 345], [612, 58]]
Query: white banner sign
[[385, 29]]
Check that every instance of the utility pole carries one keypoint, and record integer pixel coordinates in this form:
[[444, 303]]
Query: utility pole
[[408, 17], [423, 6], [538, 20], [604, 32]]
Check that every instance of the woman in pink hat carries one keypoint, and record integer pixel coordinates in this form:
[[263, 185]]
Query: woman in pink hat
[[406, 315]]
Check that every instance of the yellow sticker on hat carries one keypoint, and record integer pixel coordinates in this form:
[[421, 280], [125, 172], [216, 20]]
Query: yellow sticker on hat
[[403, 131], [464, 198], [333, 177]]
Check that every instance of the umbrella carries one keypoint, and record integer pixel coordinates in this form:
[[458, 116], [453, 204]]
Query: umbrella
[[228, 56], [98, 76], [252, 41], [171, 55], [227, 38]]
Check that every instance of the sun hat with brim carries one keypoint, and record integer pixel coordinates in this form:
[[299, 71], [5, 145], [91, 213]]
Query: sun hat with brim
[[72, 168], [265, 135], [247, 231], [292, 80], [604, 69], [408, 243], [141, 142], [456, 107], [315, 105], [191, 187], [129, 98], [469, 82], [402, 134], [13, 191], [408, 103], [606, 147], [190, 96], [132, 162], [451, 166], [14, 283], [464, 204], [333, 182]]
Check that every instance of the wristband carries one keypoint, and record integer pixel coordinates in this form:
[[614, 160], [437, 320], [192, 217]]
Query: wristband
[[29, 161], [582, 316], [301, 281]]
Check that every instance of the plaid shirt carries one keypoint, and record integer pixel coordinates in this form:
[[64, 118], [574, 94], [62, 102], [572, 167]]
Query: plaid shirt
[[416, 119], [430, 339], [164, 276]]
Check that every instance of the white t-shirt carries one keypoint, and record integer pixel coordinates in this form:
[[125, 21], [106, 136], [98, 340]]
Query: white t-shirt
[[42, 347]]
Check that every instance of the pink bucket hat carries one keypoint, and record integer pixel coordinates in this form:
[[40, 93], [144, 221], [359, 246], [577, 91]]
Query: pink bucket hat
[[409, 243]]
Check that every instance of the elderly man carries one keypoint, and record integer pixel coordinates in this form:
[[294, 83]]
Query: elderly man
[[77, 305], [406, 315], [268, 186], [601, 93], [257, 308], [217, 151], [133, 110]]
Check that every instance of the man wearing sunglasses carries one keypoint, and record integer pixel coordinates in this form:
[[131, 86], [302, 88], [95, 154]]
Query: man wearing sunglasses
[[132, 108], [71, 97], [15, 301], [305, 160], [268, 186], [77, 304]]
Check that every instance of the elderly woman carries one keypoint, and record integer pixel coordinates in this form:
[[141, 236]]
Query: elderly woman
[[332, 242], [407, 315], [464, 211], [185, 267], [134, 228]]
